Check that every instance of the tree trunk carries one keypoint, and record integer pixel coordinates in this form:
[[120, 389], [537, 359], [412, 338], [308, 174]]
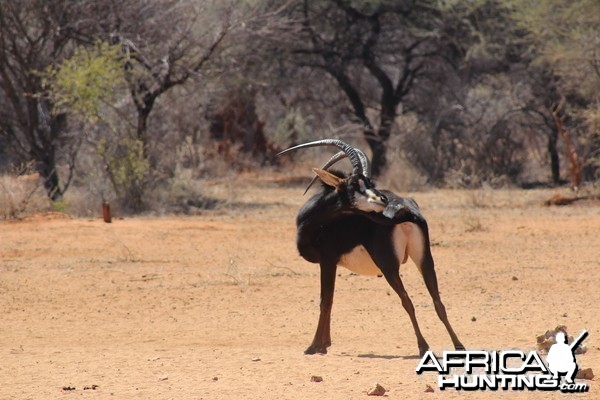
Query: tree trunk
[[554, 159], [46, 167], [572, 155], [378, 142], [379, 157], [142, 129]]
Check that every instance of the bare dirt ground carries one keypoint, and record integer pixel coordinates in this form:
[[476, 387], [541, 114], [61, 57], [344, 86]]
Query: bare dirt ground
[[220, 305]]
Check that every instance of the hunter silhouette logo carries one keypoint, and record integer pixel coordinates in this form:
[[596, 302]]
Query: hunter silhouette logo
[[561, 357], [509, 369]]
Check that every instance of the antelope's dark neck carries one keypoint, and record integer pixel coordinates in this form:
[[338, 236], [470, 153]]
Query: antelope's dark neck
[[321, 209], [315, 216]]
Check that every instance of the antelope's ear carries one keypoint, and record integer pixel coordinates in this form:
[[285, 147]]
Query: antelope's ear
[[328, 178]]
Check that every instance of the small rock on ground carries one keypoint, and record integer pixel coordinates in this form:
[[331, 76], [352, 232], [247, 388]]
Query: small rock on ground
[[376, 390], [585, 373]]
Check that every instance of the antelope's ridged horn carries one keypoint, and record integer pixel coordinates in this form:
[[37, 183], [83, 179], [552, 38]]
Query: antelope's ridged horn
[[337, 157], [355, 159], [364, 161]]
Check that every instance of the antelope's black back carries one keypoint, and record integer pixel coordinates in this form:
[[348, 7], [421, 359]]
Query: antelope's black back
[[329, 227]]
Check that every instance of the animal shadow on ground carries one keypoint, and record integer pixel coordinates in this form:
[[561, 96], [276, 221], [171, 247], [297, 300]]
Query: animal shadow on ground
[[384, 356]]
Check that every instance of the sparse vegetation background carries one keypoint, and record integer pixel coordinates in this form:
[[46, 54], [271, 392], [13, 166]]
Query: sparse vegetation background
[[137, 103]]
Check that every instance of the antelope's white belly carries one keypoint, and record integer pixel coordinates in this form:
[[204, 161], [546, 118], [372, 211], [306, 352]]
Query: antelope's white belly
[[360, 262], [407, 240]]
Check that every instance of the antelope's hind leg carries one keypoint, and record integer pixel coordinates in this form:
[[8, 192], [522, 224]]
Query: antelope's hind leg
[[396, 283], [388, 257], [420, 252], [322, 339]]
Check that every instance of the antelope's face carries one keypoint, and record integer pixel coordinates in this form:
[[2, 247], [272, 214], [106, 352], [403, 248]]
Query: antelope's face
[[363, 195], [358, 191]]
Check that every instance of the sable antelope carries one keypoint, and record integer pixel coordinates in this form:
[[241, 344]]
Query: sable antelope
[[351, 223]]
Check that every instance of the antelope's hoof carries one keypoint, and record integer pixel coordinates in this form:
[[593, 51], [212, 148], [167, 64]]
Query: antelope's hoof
[[459, 347], [316, 349]]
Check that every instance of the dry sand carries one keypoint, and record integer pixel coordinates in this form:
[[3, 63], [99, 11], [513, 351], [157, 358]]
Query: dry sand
[[220, 305]]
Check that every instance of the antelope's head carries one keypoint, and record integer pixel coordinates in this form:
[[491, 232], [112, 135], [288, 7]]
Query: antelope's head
[[357, 190]]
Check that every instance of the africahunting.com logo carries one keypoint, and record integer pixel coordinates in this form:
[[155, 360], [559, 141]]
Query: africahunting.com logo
[[508, 370]]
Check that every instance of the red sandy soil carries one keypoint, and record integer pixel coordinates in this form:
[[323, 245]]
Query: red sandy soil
[[221, 306]]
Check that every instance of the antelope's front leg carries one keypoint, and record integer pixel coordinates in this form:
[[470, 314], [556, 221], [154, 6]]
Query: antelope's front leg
[[322, 339]]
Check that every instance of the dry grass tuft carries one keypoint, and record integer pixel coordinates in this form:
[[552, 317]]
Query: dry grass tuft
[[21, 196]]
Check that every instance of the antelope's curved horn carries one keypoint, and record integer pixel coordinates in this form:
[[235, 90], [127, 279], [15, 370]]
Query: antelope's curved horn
[[355, 159], [364, 161], [337, 157]]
